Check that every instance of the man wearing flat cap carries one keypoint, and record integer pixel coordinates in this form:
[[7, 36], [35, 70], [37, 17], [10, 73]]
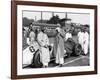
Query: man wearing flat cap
[[60, 46]]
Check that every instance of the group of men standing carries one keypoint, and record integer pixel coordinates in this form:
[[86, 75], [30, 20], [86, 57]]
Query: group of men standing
[[42, 40]]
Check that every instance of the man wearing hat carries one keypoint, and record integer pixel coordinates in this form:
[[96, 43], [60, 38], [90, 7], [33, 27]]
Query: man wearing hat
[[80, 37], [68, 35], [43, 41], [60, 46], [31, 36], [86, 41]]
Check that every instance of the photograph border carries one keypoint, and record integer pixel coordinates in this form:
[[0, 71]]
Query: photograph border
[[14, 38]]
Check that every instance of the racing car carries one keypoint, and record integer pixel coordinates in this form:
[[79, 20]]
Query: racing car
[[32, 54]]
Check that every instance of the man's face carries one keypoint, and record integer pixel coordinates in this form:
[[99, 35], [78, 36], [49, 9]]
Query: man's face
[[70, 31], [85, 29], [38, 30], [82, 30]]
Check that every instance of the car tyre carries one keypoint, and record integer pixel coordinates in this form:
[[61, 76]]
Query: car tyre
[[36, 60]]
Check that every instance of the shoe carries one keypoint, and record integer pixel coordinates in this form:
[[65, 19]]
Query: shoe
[[84, 54], [56, 64], [45, 66]]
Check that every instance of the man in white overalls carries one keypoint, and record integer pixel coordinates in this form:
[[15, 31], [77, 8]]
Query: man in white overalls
[[80, 37], [43, 41], [86, 41]]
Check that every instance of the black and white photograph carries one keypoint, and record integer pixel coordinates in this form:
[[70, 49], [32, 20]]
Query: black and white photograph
[[51, 39], [55, 39]]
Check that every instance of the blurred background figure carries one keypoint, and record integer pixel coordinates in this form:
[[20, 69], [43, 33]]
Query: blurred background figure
[[85, 41], [68, 35], [31, 37], [80, 36]]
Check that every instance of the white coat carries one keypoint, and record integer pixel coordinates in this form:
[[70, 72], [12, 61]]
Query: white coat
[[81, 38], [43, 41], [86, 43], [31, 37], [68, 35]]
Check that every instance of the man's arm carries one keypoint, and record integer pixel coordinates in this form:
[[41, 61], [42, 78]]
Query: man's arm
[[39, 39], [62, 34]]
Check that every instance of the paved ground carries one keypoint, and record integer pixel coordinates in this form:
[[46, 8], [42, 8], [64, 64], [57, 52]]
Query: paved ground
[[81, 61], [73, 61]]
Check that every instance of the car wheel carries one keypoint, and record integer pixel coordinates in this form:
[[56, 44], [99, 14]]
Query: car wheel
[[36, 59], [77, 49]]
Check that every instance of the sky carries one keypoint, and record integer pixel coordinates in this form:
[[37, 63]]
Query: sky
[[75, 17]]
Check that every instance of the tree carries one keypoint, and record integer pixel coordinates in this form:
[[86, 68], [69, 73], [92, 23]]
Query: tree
[[26, 21]]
